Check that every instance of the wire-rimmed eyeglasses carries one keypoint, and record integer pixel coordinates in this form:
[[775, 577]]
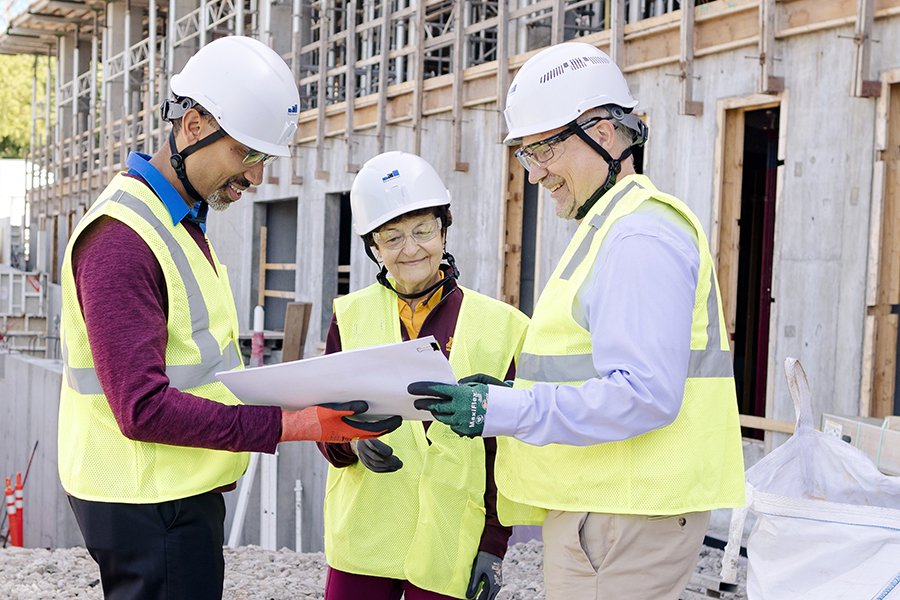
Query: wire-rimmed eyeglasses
[[394, 239], [540, 152]]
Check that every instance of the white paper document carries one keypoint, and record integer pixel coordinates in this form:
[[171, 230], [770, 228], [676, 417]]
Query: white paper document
[[379, 375]]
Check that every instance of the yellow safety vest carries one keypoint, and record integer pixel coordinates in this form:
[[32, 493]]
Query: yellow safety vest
[[423, 523], [692, 464], [97, 462]]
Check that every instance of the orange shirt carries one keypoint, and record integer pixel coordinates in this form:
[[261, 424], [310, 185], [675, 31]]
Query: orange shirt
[[413, 319]]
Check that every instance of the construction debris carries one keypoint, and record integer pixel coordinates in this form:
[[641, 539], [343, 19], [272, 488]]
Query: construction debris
[[252, 573]]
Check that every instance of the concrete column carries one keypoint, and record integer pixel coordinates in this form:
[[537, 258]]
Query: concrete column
[[115, 44], [180, 51], [280, 27], [65, 74]]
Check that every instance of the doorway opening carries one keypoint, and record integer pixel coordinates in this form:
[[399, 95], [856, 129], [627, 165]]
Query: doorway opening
[[746, 247], [276, 259], [336, 256]]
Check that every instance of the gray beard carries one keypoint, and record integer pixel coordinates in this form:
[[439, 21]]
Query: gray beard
[[219, 200]]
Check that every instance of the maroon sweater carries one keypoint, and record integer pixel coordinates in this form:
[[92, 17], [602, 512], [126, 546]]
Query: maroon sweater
[[441, 323], [122, 293]]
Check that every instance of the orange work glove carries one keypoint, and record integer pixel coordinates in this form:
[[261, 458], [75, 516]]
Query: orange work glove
[[331, 423]]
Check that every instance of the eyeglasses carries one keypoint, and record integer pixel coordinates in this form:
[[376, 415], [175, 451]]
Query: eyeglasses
[[255, 156], [394, 239], [541, 152]]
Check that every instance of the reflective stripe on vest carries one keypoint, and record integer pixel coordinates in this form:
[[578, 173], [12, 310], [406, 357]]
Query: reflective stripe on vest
[[708, 362], [182, 377]]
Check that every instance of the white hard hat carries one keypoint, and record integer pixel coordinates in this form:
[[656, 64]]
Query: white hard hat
[[393, 184], [247, 87], [558, 84]]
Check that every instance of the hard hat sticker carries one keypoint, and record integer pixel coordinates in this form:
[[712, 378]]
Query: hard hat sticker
[[391, 175]]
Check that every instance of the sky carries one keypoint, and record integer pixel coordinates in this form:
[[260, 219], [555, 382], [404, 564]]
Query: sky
[[10, 8]]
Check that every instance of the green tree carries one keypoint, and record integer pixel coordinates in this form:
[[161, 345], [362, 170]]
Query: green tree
[[16, 74]]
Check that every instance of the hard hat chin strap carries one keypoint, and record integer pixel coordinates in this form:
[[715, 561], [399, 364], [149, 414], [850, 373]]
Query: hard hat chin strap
[[383, 280], [615, 167], [177, 159]]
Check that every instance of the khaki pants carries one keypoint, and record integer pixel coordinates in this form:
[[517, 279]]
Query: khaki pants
[[595, 556]]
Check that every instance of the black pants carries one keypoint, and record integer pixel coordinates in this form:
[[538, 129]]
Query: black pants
[[166, 551]]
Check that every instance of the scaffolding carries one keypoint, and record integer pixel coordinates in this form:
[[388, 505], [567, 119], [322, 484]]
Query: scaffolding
[[108, 64], [361, 67]]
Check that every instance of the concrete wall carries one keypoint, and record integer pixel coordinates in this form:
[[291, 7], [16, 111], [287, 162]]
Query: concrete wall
[[822, 220], [29, 404]]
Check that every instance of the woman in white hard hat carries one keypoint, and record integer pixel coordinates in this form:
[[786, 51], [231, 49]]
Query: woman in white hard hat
[[148, 437], [415, 512]]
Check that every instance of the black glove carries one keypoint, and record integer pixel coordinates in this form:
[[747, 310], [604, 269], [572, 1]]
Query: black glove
[[486, 571], [377, 456], [486, 379]]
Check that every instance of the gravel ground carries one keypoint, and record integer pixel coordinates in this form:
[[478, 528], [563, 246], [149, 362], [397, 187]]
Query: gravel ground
[[255, 574]]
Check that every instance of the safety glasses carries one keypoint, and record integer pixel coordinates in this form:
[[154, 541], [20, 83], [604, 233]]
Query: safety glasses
[[540, 153], [394, 239], [254, 156]]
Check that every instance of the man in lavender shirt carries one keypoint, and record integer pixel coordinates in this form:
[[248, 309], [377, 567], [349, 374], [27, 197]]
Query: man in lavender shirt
[[621, 431], [148, 438]]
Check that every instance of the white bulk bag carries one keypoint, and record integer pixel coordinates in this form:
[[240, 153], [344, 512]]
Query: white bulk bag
[[828, 522]]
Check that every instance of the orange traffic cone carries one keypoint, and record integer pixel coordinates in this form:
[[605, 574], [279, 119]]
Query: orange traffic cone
[[10, 506], [18, 534]]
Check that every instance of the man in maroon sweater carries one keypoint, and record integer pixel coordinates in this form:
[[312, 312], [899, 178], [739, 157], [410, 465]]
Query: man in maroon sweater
[[148, 540]]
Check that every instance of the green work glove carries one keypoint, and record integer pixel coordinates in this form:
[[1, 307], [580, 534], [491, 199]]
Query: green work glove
[[461, 407], [487, 571]]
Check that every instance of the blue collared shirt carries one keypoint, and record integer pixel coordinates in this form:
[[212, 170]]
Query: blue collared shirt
[[139, 164]]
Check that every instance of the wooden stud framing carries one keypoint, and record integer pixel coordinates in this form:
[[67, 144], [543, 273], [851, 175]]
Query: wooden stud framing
[[882, 118], [752, 422], [94, 103], [558, 22], [263, 240], [383, 76], [459, 44], [350, 82], [688, 105], [324, 8], [150, 101], [418, 81], [617, 32], [862, 86], [883, 293], [296, 326], [502, 65], [73, 128], [265, 266], [729, 164], [513, 193], [768, 82]]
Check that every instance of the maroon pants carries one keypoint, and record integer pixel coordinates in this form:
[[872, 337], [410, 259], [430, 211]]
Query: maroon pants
[[348, 586]]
